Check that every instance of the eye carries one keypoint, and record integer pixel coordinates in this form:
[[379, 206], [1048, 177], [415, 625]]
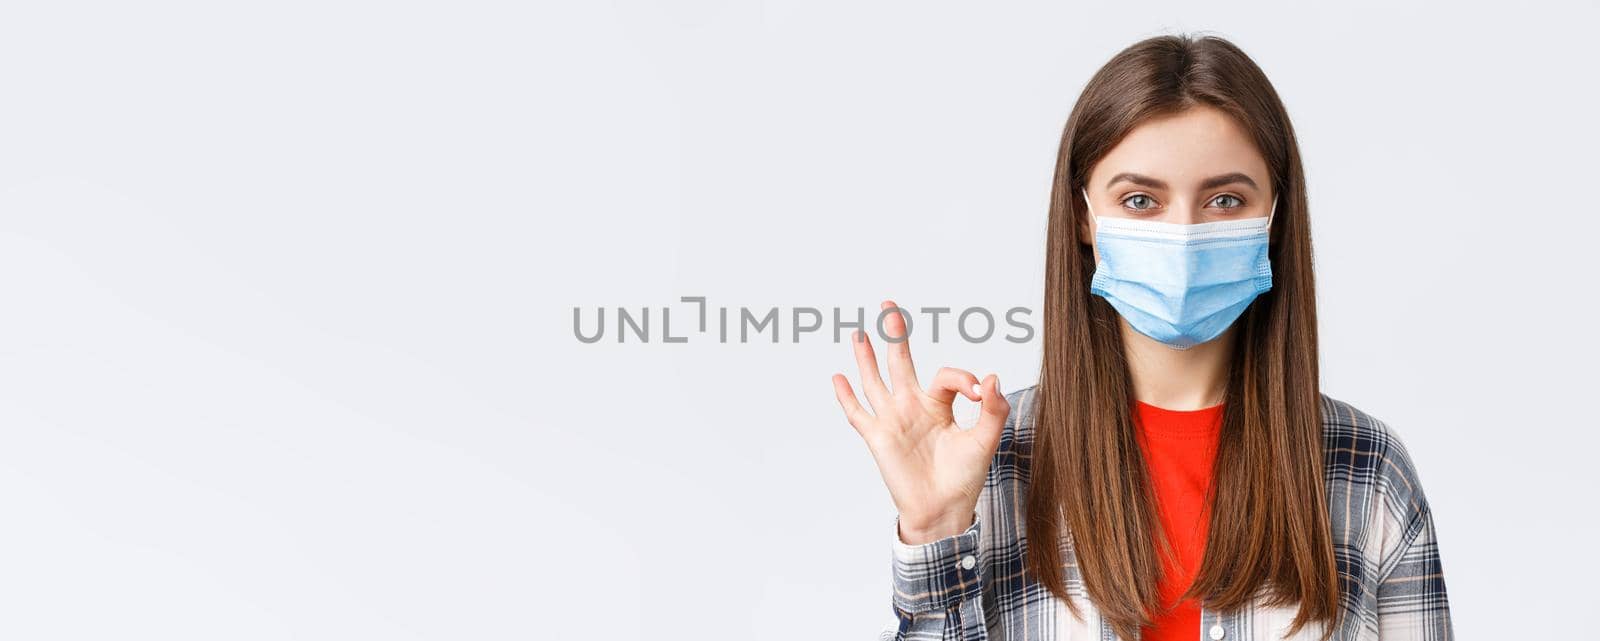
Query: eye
[[1139, 202], [1227, 201]]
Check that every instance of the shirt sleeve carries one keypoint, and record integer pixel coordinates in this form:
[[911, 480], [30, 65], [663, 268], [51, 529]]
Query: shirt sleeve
[[1412, 602], [938, 588]]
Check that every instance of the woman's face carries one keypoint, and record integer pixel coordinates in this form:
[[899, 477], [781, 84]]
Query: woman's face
[[1196, 166]]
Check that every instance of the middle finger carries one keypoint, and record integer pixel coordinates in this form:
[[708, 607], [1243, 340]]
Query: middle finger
[[902, 374]]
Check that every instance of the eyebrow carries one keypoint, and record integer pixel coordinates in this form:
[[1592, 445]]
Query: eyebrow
[[1209, 183]]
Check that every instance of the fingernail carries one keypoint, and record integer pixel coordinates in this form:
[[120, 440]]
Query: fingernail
[[997, 384], [977, 390]]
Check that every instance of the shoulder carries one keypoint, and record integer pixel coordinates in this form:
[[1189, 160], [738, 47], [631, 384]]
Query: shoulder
[[1016, 439], [1363, 453], [1020, 422], [1365, 448]]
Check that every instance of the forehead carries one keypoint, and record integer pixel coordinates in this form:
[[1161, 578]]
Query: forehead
[[1183, 149]]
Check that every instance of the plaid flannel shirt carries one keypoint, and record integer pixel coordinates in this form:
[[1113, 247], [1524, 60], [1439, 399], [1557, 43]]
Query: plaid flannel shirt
[[972, 586]]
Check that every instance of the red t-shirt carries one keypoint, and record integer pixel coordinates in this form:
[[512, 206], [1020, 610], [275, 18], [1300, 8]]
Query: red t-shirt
[[1179, 446]]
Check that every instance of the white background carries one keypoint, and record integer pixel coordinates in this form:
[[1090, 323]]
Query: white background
[[286, 296]]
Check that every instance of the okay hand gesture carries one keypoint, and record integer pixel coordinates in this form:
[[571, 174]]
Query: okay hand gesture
[[933, 468]]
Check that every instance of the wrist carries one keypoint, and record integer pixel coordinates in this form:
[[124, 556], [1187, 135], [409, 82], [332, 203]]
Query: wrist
[[919, 531]]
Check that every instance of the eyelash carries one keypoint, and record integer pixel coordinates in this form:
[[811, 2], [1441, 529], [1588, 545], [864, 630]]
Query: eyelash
[[1125, 199]]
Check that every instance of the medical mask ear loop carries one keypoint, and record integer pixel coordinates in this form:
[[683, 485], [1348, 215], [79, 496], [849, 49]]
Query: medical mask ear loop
[[1270, 214], [1093, 217]]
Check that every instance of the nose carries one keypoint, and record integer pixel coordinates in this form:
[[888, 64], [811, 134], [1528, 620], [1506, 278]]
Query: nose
[[1184, 213]]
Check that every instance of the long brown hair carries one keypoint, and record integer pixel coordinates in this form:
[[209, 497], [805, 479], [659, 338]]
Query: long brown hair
[[1269, 524]]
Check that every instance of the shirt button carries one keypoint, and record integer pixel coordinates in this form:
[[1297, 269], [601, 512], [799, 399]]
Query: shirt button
[[968, 561], [1216, 632]]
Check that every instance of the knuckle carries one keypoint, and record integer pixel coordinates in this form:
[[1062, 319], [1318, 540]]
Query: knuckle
[[860, 419]]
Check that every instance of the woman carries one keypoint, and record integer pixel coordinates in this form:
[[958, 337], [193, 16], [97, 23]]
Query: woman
[[1177, 469]]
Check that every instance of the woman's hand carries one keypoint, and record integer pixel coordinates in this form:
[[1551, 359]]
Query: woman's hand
[[934, 469]]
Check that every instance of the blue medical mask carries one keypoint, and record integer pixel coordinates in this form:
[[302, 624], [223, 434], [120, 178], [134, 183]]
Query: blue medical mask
[[1181, 284]]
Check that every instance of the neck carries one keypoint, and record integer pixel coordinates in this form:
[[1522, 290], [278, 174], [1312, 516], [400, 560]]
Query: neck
[[1189, 379]]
